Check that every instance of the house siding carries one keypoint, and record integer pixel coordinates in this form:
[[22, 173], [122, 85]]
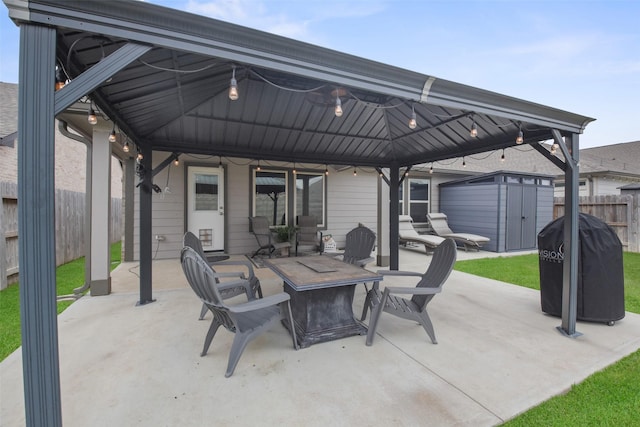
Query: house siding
[[350, 200]]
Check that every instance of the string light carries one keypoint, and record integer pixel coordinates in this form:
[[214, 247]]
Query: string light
[[502, 157], [91, 117], [520, 138], [355, 171], [464, 164], [338, 109], [60, 80], [294, 168], [431, 168], [112, 135], [125, 146], [326, 170], [554, 148], [406, 173], [474, 130], [412, 122], [233, 86], [176, 162], [258, 167]]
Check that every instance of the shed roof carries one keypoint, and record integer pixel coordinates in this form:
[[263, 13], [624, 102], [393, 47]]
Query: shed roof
[[174, 96]]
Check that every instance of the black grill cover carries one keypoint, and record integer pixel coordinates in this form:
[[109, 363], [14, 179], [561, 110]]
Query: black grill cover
[[600, 270]]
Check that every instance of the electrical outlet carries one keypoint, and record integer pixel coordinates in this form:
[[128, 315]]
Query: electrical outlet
[[159, 237]]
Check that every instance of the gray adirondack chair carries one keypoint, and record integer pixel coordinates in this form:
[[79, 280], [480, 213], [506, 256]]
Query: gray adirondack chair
[[249, 285], [431, 283], [259, 226], [307, 233], [247, 320], [359, 244]]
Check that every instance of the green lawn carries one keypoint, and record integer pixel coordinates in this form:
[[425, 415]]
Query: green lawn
[[69, 276], [610, 397]]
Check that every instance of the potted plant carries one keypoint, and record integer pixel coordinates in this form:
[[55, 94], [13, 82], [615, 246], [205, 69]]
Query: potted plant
[[283, 233]]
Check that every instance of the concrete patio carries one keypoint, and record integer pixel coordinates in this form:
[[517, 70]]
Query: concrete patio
[[498, 355]]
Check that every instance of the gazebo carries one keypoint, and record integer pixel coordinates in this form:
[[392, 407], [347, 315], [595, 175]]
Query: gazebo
[[294, 102]]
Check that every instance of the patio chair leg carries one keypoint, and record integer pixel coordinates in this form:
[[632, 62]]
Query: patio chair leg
[[215, 324], [425, 321], [203, 312]]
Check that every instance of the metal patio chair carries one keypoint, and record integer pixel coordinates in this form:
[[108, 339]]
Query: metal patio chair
[[247, 320], [431, 283], [307, 233], [259, 226]]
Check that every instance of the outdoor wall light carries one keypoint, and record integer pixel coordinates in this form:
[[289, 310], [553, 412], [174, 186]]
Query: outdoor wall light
[[233, 87], [412, 121]]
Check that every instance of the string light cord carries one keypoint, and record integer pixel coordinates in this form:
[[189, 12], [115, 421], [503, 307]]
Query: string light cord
[[173, 70], [260, 76]]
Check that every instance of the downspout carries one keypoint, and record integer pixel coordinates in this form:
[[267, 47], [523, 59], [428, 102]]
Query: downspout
[[77, 293]]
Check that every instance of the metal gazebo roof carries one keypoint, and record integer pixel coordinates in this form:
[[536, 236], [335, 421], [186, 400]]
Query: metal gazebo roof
[[172, 95]]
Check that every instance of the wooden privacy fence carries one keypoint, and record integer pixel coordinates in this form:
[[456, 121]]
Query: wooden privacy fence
[[69, 225], [618, 211]]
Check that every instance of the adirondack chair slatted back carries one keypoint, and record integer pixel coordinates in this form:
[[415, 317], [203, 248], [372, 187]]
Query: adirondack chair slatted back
[[359, 244], [444, 257], [201, 279], [192, 241]]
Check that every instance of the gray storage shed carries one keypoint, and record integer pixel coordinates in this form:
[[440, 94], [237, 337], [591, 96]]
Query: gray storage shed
[[508, 207]]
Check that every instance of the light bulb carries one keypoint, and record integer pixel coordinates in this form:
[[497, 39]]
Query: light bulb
[[464, 164], [140, 156], [502, 157], [338, 109], [91, 118], [431, 169], [520, 138], [125, 147], [176, 162], [474, 130], [355, 172], [412, 121], [233, 87], [112, 136], [326, 171]]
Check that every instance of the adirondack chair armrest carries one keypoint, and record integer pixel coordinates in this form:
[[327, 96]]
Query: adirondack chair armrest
[[364, 261], [412, 291], [257, 304], [399, 273], [246, 264], [238, 274]]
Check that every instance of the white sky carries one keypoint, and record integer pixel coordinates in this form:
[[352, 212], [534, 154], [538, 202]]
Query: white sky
[[581, 56]]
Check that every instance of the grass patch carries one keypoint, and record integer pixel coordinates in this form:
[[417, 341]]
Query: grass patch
[[69, 276], [610, 397]]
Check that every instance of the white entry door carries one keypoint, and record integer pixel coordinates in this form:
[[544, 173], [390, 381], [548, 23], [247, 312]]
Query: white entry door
[[205, 217]]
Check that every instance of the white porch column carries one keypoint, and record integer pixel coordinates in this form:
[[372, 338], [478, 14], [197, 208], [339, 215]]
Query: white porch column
[[100, 212]]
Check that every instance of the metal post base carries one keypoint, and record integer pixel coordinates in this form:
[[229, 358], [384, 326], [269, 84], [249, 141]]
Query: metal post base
[[576, 334]]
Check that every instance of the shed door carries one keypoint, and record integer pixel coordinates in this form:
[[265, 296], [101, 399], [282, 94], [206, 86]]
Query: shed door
[[521, 217]]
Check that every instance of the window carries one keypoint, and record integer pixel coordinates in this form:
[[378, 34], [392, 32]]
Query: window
[[206, 194], [272, 193], [310, 195], [270, 196], [419, 199], [414, 193]]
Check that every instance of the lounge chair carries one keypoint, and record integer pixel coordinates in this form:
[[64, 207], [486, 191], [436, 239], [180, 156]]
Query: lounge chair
[[431, 282], [440, 227], [408, 234]]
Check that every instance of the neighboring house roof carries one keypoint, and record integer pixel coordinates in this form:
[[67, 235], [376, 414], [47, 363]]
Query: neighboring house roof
[[616, 160], [8, 114]]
